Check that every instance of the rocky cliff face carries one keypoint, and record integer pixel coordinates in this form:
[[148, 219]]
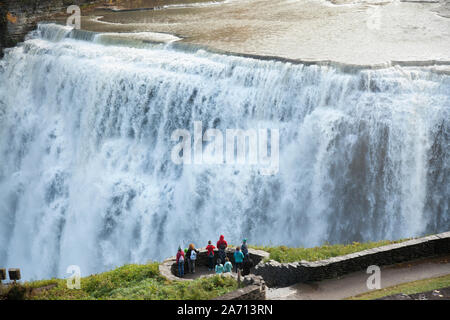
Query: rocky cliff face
[[18, 17], [3, 26]]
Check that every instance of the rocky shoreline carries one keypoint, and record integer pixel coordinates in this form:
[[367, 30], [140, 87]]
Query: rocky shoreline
[[17, 18]]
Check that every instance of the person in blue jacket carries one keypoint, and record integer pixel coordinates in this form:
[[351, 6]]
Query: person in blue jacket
[[238, 258], [219, 267], [227, 267]]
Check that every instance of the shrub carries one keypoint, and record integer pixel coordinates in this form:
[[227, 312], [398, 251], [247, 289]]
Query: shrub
[[16, 292]]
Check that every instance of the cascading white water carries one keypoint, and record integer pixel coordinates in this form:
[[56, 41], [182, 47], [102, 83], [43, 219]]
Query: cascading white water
[[86, 176]]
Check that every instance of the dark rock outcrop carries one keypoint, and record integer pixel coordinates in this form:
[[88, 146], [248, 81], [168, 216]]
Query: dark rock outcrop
[[18, 17], [3, 26]]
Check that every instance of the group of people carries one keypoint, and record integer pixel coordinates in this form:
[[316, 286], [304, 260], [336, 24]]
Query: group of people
[[242, 260], [191, 256]]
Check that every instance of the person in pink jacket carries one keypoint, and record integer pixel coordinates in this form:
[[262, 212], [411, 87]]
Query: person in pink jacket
[[180, 262]]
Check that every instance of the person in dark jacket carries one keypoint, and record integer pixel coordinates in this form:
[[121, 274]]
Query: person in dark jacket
[[247, 265], [186, 261], [244, 247], [222, 245]]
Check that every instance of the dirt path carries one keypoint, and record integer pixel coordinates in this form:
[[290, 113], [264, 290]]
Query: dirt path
[[355, 283], [200, 271]]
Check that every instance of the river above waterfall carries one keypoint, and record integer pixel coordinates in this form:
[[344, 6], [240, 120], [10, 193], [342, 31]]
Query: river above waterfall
[[353, 32]]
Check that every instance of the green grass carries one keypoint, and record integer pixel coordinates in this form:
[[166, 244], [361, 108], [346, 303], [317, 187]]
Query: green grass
[[133, 282], [407, 288], [287, 254]]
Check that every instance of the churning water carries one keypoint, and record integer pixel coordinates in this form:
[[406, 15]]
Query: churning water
[[86, 176]]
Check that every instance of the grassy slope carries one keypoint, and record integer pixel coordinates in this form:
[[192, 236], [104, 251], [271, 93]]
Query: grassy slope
[[407, 288], [287, 254], [134, 282]]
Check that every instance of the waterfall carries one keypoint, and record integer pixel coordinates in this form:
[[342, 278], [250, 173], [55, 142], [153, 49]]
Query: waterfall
[[86, 176]]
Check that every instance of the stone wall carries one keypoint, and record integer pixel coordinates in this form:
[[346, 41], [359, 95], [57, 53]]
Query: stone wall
[[278, 274], [275, 274], [25, 14], [255, 289], [254, 286]]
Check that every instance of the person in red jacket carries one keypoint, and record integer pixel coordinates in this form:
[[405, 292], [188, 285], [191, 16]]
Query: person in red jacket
[[180, 262], [222, 245], [210, 248]]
